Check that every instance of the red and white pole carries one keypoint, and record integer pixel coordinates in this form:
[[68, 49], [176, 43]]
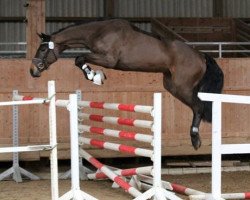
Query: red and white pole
[[116, 120], [116, 106], [123, 172], [115, 133], [110, 174], [116, 147]]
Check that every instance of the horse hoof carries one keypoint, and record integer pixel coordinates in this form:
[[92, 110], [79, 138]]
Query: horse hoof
[[98, 78], [196, 141], [103, 76]]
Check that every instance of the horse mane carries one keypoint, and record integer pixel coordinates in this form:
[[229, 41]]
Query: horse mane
[[62, 29], [80, 23], [135, 28]]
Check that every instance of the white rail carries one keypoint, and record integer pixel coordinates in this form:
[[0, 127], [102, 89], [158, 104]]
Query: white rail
[[218, 149], [25, 148], [220, 46], [52, 146]]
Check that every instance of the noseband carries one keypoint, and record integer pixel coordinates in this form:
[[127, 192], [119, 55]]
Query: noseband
[[51, 46]]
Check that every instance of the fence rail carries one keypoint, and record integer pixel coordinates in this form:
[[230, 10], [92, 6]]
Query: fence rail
[[220, 47]]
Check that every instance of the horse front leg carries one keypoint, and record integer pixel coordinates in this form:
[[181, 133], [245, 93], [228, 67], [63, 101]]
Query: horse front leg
[[97, 77]]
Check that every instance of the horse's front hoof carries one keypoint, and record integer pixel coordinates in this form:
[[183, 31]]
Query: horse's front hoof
[[196, 141], [99, 77]]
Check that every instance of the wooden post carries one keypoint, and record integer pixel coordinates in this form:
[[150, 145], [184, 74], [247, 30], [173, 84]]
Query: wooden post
[[218, 8], [35, 16], [109, 8]]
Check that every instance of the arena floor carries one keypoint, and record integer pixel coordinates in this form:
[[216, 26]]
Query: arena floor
[[40, 190]]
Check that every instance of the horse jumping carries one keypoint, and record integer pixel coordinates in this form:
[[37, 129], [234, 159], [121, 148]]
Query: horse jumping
[[116, 44]]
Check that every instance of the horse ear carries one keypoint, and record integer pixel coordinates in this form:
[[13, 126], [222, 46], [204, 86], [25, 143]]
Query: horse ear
[[44, 37], [40, 35]]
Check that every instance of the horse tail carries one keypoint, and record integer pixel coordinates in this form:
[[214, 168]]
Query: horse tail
[[211, 82]]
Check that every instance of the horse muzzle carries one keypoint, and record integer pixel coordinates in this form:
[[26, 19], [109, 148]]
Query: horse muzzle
[[37, 66], [34, 72]]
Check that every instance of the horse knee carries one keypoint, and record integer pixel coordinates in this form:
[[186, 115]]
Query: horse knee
[[79, 61]]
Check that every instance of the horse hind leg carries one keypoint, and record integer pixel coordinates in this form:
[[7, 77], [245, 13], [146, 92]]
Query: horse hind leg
[[212, 82], [192, 101], [194, 129]]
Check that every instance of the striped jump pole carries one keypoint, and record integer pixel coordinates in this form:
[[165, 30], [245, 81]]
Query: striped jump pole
[[24, 100], [116, 147], [245, 195], [115, 133], [19, 97], [123, 172], [109, 173], [192, 193], [180, 189], [116, 106], [116, 120]]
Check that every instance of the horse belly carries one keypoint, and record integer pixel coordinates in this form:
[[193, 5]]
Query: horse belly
[[144, 59]]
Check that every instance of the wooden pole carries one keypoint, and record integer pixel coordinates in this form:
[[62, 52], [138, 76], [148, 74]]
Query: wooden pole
[[109, 8], [35, 16], [218, 8]]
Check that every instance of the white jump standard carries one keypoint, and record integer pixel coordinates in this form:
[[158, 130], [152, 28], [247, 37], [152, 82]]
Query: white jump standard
[[75, 192], [21, 100], [218, 149]]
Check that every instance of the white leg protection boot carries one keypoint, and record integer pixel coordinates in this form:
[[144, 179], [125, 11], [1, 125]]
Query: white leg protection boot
[[90, 73], [98, 78]]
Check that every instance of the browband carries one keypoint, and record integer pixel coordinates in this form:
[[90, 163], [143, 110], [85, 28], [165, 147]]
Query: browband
[[51, 44]]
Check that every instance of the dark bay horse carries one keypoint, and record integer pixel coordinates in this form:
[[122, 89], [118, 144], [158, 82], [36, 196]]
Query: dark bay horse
[[119, 45]]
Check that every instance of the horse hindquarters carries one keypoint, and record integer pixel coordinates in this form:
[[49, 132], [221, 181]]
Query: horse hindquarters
[[211, 82]]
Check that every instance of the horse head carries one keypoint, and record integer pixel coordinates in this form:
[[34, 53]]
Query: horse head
[[46, 54]]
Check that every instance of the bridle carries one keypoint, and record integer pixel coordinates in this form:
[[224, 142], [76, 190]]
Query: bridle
[[51, 47]]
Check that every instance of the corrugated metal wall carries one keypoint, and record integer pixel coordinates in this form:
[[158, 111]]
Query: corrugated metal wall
[[74, 8], [129, 8], [13, 32], [236, 8], [13, 8], [164, 8]]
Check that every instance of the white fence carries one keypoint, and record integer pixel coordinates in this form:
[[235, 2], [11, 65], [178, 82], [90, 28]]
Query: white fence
[[52, 146], [218, 149]]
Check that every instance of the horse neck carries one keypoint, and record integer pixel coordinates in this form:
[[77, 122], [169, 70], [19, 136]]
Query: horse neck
[[73, 37]]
